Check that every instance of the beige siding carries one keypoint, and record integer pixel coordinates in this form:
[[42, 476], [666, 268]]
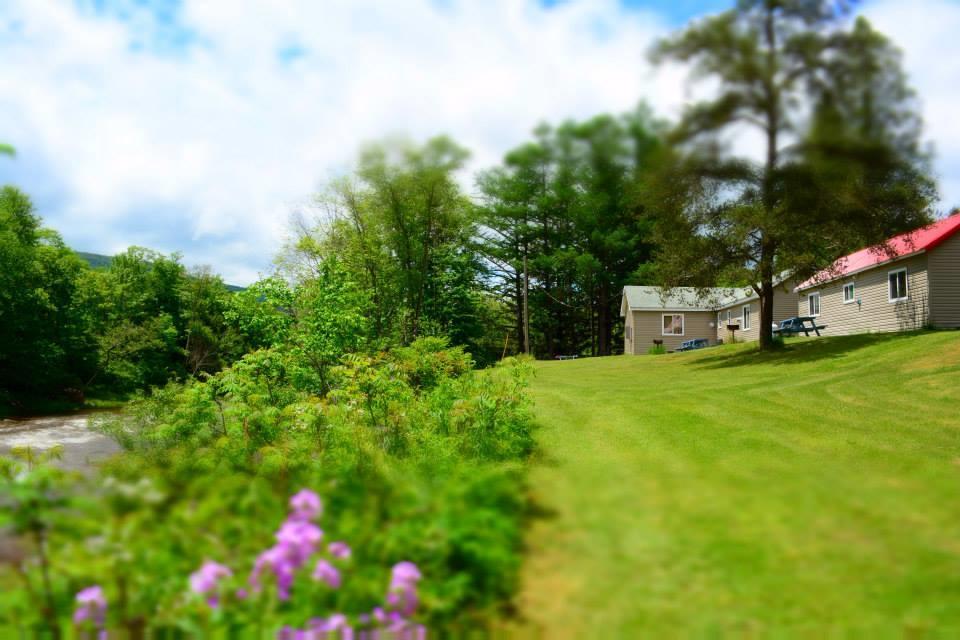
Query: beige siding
[[784, 306], [875, 313], [648, 326], [943, 266], [785, 303], [628, 333]]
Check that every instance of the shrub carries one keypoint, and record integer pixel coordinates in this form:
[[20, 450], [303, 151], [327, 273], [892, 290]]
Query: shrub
[[421, 456]]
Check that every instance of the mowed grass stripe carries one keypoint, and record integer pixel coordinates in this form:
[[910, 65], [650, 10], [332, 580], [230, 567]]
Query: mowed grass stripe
[[809, 491]]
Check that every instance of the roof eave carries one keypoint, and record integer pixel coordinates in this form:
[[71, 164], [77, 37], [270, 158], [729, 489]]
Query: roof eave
[[671, 309], [814, 285]]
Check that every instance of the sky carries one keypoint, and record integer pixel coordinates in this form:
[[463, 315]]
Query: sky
[[200, 126]]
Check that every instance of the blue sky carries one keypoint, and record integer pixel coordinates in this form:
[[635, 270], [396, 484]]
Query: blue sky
[[201, 127]]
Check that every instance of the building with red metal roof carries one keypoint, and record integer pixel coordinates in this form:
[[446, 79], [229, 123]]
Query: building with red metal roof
[[910, 281]]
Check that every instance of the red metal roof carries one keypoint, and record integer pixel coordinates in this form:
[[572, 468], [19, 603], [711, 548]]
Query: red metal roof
[[905, 244]]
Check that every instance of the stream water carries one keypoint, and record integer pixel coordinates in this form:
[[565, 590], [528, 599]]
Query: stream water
[[82, 446]]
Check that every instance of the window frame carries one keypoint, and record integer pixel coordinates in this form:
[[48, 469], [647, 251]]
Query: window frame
[[906, 284], [853, 292], [683, 324], [810, 296], [628, 332], [746, 318]]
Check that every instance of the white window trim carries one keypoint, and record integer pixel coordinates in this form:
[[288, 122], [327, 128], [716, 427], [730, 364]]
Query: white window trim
[[683, 324], [746, 313], [819, 301], [906, 282], [853, 298]]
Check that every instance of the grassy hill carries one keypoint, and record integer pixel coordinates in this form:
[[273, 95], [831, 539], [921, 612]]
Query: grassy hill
[[810, 492]]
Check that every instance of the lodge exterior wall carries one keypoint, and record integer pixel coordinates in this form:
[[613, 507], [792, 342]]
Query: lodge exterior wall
[[874, 313]]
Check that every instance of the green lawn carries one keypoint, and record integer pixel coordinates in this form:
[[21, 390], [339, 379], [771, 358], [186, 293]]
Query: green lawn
[[812, 492]]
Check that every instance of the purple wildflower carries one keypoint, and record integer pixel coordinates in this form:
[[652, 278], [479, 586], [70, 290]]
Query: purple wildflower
[[91, 605], [204, 580], [339, 550], [297, 540], [326, 572], [403, 588], [306, 505], [404, 574], [279, 562], [320, 629]]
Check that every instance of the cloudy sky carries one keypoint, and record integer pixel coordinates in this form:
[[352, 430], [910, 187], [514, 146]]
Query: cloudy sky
[[199, 125]]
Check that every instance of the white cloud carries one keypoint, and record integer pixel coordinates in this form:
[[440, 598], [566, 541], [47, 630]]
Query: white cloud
[[217, 143], [927, 34], [208, 149]]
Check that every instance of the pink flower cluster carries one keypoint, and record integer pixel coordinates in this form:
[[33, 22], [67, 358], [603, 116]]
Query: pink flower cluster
[[391, 621], [92, 609], [297, 540], [204, 581], [403, 588]]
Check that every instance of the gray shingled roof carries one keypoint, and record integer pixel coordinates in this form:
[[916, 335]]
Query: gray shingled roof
[[682, 298], [688, 298]]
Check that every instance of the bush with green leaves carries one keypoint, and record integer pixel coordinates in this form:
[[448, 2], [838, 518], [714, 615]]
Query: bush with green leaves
[[420, 456]]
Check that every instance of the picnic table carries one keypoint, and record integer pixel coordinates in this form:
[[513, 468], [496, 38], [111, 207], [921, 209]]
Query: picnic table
[[797, 325], [696, 343]]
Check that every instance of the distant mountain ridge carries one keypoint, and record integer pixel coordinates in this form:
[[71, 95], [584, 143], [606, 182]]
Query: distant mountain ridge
[[100, 261], [95, 260]]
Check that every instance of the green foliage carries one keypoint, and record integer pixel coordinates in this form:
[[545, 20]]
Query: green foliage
[[35, 499], [45, 334], [420, 455], [565, 203], [261, 313], [66, 329], [657, 350], [402, 230]]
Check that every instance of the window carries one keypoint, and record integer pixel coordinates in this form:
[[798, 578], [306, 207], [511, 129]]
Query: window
[[729, 316], [673, 324], [746, 317], [628, 333], [849, 293], [897, 285], [813, 304]]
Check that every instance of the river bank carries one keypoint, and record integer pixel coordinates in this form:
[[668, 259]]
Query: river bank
[[82, 446]]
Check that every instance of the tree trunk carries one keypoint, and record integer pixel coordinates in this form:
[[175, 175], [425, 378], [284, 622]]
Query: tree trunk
[[767, 246], [766, 313], [526, 309], [518, 316], [603, 321]]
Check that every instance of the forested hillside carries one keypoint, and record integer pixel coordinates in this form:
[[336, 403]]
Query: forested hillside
[[68, 330]]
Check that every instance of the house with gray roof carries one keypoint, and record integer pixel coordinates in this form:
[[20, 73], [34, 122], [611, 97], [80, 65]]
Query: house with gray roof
[[676, 315]]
